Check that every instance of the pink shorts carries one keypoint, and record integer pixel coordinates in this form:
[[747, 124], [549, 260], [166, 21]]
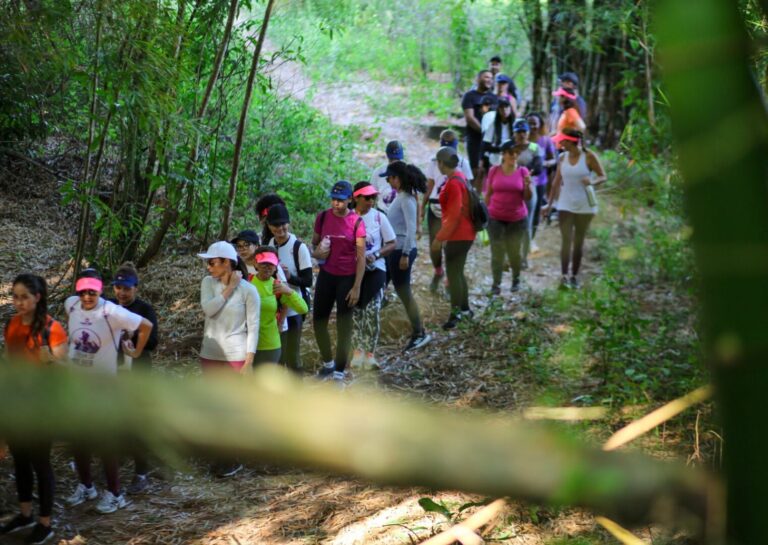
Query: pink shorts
[[210, 366]]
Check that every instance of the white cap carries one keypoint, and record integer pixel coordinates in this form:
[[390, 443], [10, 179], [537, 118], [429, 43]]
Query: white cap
[[222, 249]]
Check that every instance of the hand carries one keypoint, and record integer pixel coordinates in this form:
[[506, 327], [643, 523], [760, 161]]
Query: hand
[[419, 232], [353, 296], [286, 271], [436, 246], [404, 262], [247, 367], [369, 259], [586, 181], [129, 350], [322, 253], [278, 288], [234, 279], [545, 212]]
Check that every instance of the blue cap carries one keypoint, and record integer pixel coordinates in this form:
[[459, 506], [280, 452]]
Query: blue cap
[[126, 280], [453, 143], [503, 78], [395, 150], [341, 190], [521, 125]]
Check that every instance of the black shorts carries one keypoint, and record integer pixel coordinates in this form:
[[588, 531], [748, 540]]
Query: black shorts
[[474, 148]]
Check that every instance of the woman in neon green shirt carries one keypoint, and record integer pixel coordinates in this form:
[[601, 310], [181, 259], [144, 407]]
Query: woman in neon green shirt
[[274, 294]]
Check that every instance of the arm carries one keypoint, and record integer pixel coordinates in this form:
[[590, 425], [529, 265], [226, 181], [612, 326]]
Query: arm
[[554, 193], [252, 318], [527, 193], [290, 298], [489, 184], [145, 328], [537, 165], [152, 317], [354, 294], [425, 202], [213, 303], [451, 212], [469, 115], [594, 164]]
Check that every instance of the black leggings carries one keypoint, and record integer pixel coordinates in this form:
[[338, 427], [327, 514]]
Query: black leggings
[[573, 231], [29, 461], [401, 280], [433, 225], [329, 290], [290, 340], [455, 258], [541, 194], [506, 240]]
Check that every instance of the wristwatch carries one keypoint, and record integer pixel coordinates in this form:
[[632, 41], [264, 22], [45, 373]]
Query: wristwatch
[[377, 255]]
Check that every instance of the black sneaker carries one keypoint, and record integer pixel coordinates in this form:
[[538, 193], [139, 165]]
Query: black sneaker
[[325, 373], [565, 284], [495, 290], [574, 283], [452, 322], [40, 534], [417, 341], [515, 285], [19, 522], [138, 485]]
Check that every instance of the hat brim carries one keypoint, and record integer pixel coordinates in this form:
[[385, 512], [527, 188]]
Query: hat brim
[[342, 196], [366, 191], [89, 284], [267, 257]]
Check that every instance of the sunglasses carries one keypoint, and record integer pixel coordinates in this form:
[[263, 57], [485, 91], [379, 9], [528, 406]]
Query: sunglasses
[[213, 262], [369, 197], [89, 293], [244, 245]]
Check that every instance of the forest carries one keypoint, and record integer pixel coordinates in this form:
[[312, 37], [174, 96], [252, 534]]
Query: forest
[[622, 408]]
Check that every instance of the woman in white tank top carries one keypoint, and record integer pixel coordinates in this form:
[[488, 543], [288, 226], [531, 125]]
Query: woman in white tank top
[[573, 194]]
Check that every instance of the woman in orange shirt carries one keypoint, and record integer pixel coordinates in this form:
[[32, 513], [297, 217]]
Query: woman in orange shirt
[[31, 335], [570, 118]]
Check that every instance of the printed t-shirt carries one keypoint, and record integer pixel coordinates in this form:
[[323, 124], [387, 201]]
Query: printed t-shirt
[[94, 335], [269, 333], [507, 203], [472, 99], [378, 230], [343, 257], [286, 257], [433, 173], [19, 341]]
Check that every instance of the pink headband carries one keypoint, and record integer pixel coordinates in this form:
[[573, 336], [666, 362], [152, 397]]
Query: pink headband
[[563, 93], [366, 191], [267, 257], [88, 284]]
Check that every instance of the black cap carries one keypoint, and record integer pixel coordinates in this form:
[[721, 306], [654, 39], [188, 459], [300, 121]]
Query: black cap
[[248, 236], [278, 215], [569, 76]]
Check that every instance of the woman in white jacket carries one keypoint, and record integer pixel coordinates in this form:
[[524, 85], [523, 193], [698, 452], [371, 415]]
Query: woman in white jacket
[[231, 308]]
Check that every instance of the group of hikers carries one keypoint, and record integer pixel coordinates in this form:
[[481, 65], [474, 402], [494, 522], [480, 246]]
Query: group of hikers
[[258, 290]]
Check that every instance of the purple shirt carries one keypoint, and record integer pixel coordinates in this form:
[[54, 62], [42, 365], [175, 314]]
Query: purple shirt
[[546, 148], [342, 260], [507, 203]]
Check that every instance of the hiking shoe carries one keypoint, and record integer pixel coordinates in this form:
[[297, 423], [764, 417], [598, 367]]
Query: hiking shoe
[[19, 522], [228, 470], [417, 341], [82, 494], [40, 534], [574, 283], [109, 503], [515, 285], [452, 322], [495, 290], [326, 370], [338, 376], [466, 314], [565, 283], [139, 484]]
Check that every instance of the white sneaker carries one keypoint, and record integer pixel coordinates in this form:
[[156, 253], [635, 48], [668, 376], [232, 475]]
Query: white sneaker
[[82, 494], [358, 358], [109, 503]]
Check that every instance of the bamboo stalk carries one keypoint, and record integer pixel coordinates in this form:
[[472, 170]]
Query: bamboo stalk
[[275, 417]]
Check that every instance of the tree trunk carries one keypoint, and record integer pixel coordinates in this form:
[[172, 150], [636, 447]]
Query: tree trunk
[[730, 241], [230, 204]]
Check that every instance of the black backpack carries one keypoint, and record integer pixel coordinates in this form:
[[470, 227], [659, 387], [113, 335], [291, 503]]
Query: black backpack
[[478, 211], [305, 292]]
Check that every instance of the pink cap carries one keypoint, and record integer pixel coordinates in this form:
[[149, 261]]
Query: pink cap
[[564, 93], [267, 257], [88, 284], [366, 191], [559, 137]]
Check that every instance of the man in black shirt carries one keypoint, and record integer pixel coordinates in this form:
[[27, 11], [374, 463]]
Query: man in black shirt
[[471, 103]]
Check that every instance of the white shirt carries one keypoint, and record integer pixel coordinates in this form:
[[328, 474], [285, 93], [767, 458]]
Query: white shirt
[[433, 173], [386, 193], [285, 255], [231, 326], [378, 230], [95, 335], [488, 126]]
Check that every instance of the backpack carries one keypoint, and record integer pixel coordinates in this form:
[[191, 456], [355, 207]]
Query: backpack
[[305, 292], [478, 211]]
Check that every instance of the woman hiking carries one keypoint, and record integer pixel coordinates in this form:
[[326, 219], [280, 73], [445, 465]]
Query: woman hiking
[[578, 172], [408, 181], [32, 337], [339, 246]]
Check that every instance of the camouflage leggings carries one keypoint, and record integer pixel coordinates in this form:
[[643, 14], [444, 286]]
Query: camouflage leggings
[[367, 313]]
